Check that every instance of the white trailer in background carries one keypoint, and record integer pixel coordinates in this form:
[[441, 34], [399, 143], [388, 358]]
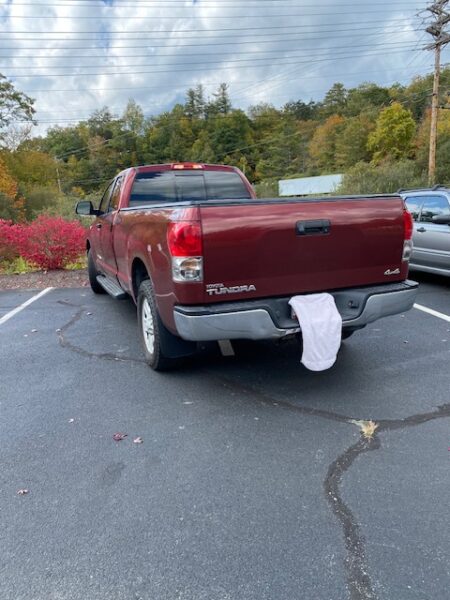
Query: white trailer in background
[[309, 186]]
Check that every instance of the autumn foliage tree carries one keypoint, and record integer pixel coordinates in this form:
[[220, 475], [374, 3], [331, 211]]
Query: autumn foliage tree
[[393, 134]]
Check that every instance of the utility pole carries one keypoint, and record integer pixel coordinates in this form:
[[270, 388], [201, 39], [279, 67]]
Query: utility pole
[[58, 179], [441, 38]]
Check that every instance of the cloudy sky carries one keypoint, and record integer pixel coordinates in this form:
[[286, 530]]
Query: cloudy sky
[[76, 56]]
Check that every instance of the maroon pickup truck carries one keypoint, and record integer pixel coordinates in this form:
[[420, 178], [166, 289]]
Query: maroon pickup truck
[[205, 260]]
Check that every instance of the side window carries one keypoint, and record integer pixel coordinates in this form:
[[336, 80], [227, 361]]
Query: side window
[[115, 196], [434, 206], [413, 204], [105, 198]]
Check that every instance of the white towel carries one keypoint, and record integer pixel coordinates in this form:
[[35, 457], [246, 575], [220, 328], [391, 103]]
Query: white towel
[[321, 326]]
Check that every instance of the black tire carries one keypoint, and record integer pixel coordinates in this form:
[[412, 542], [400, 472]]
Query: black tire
[[92, 272], [148, 318]]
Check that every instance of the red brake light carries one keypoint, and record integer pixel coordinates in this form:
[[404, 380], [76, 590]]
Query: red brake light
[[184, 238], [407, 225], [181, 166]]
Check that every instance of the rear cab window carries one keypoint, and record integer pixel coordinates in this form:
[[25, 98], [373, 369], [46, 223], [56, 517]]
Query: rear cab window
[[187, 186]]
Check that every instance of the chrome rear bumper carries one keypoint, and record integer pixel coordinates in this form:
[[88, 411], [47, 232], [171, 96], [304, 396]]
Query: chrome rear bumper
[[247, 320]]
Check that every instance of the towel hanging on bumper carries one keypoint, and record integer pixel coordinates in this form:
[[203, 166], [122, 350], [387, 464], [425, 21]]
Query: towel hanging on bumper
[[321, 326]]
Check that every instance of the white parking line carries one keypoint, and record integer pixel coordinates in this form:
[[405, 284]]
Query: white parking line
[[24, 305], [435, 313]]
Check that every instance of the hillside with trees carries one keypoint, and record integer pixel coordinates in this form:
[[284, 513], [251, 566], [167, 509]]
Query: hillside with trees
[[377, 136]]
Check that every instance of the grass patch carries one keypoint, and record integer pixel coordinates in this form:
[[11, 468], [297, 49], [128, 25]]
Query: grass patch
[[20, 266], [16, 266]]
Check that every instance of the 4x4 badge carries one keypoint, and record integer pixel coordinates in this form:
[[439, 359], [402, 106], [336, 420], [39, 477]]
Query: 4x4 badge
[[394, 272]]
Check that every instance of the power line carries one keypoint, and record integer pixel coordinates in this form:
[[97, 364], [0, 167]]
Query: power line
[[182, 4], [87, 114], [190, 17], [203, 67], [158, 87], [202, 31], [171, 119], [375, 31], [15, 56], [402, 45]]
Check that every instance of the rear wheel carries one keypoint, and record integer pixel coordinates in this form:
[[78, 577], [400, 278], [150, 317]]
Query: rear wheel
[[92, 272], [151, 329]]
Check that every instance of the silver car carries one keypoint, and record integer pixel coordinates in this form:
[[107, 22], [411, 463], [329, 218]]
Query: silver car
[[430, 209]]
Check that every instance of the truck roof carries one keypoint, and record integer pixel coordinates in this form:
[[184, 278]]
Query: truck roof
[[180, 166]]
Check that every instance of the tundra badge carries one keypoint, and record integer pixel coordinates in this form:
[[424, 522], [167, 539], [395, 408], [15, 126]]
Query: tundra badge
[[217, 289]]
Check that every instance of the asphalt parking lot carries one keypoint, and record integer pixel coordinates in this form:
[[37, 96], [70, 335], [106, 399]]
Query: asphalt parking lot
[[253, 480]]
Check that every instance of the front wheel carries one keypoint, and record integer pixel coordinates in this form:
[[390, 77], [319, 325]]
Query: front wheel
[[151, 329]]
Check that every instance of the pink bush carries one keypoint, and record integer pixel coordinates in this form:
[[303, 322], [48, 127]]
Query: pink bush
[[51, 242]]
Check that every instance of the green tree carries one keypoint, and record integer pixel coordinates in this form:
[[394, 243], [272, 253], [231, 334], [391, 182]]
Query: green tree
[[301, 110], [335, 100], [221, 104], [133, 118], [365, 97], [365, 178], [351, 143], [14, 106], [393, 134], [322, 149], [195, 102], [201, 150]]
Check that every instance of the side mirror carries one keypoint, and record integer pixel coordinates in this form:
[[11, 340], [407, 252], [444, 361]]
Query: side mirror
[[85, 208], [441, 219]]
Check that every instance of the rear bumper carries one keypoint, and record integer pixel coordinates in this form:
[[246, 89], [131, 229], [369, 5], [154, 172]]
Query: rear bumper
[[271, 318]]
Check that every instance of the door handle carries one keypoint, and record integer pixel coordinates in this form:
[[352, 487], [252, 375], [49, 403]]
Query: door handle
[[99, 225], [421, 229], [318, 226]]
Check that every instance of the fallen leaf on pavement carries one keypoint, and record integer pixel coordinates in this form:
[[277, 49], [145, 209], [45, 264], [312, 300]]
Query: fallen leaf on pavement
[[119, 436], [22, 492], [367, 428], [138, 440]]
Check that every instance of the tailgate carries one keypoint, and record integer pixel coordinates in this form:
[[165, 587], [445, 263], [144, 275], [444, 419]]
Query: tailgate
[[291, 247]]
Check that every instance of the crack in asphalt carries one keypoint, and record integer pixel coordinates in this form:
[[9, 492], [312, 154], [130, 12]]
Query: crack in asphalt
[[65, 343], [355, 563], [358, 579]]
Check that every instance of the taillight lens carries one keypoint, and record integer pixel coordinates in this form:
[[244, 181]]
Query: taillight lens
[[185, 238], [407, 225]]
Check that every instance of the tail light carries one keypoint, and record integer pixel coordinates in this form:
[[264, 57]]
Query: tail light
[[184, 239], [182, 166], [408, 227]]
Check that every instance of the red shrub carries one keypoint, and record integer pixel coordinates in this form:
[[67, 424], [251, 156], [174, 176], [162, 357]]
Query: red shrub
[[11, 237], [51, 242]]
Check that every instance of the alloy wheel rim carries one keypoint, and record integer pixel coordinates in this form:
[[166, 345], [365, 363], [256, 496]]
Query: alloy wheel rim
[[148, 328]]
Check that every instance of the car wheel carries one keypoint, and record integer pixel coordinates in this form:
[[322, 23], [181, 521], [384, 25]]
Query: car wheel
[[152, 329], [92, 272]]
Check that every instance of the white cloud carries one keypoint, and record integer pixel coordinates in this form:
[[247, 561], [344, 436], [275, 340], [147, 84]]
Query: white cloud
[[272, 56]]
